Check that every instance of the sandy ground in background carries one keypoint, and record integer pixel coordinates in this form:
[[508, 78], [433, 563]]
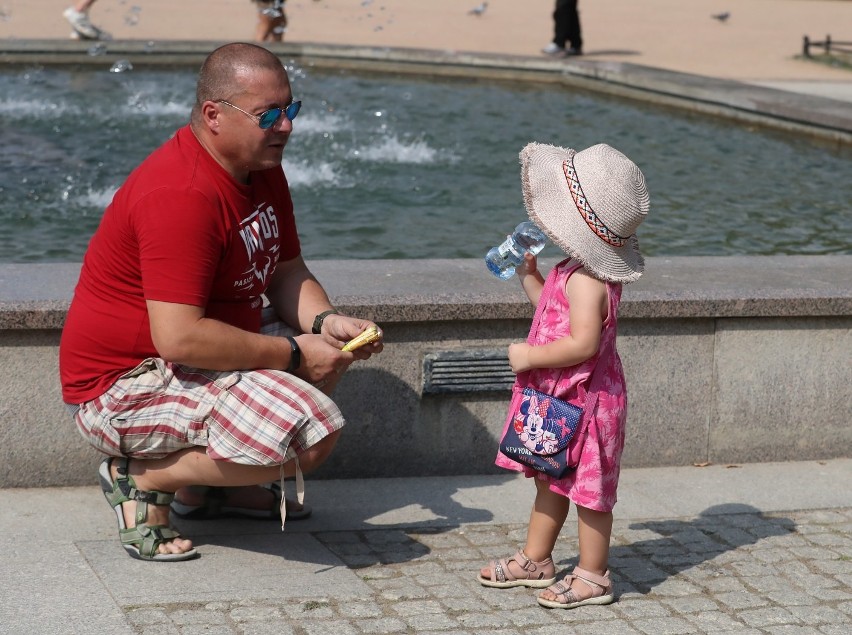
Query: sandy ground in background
[[757, 43]]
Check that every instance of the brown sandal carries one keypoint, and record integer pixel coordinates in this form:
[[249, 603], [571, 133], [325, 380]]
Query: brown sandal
[[539, 574], [601, 587]]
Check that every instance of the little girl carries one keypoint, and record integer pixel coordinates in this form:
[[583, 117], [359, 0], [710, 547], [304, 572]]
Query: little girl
[[589, 203]]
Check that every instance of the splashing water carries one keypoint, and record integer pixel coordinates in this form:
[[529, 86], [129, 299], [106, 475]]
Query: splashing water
[[435, 175], [392, 150], [121, 66]]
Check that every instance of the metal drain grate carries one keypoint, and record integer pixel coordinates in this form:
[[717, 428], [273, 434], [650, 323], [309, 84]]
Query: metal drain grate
[[467, 371]]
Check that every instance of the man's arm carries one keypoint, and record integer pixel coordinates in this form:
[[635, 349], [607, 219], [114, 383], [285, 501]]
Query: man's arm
[[298, 298], [182, 335], [296, 295]]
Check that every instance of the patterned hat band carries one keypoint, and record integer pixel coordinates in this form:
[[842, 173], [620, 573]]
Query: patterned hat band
[[595, 224]]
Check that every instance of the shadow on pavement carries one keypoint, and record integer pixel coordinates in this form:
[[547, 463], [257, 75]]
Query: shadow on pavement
[[347, 531], [688, 544]]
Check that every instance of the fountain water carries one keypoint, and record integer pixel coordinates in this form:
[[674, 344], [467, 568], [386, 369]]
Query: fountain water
[[382, 166]]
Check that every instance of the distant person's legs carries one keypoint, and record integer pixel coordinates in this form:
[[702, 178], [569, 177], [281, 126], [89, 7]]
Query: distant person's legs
[[271, 21], [566, 31], [83, 6], [78, 17]]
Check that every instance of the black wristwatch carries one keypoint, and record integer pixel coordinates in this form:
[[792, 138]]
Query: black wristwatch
[[295, 355], [316, 329]]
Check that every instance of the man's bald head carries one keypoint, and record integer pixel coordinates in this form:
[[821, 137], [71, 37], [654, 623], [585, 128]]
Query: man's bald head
[[225, 70]]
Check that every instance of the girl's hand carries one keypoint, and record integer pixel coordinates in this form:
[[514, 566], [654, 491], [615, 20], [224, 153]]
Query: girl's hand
[[519, 357], [528, 266]]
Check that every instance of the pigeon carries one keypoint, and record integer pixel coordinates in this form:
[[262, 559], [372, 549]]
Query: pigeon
[[479, 10], [721, 17]]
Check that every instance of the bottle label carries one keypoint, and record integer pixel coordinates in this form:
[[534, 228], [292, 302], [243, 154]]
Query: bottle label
[[507, 247]]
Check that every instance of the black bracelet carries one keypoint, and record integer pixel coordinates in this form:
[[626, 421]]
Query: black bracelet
[[316, 329], [295, 355]]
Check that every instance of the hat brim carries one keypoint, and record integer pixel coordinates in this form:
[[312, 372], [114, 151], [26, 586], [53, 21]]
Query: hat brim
[[549, 204]]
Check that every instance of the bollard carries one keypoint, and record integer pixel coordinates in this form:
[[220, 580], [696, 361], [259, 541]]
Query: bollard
[[806, 47]]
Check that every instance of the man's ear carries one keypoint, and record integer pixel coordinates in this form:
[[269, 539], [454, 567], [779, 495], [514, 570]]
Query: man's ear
[[210, 112]]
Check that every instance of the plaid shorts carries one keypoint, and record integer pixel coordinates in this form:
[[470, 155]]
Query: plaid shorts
[[258, 417]]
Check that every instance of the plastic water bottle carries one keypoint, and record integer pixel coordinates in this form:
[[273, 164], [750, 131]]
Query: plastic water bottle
[[504, 258]]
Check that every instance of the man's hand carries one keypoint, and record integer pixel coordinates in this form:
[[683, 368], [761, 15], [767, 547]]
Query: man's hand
[[323, 361], [338, 329]]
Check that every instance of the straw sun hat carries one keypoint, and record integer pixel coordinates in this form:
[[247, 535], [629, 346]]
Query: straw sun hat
[[589, 203]]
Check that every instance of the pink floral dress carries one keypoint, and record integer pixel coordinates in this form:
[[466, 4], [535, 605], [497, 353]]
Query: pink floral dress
[[597, 384]]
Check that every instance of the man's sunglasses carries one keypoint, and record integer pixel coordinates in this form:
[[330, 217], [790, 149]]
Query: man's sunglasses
[[270, 117]]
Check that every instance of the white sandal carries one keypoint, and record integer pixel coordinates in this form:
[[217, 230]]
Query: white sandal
[[601, 587]]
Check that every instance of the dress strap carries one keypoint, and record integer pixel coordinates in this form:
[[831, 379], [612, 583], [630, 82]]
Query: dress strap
[[546, 291]]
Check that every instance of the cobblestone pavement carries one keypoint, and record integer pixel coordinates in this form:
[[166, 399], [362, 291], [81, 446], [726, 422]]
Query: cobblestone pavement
[[742, 572]]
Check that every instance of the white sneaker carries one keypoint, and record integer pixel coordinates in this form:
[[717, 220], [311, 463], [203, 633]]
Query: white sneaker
[[553, 49], [79, 21]]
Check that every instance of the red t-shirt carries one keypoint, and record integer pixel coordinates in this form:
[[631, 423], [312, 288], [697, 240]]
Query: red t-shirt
[[181, 230]]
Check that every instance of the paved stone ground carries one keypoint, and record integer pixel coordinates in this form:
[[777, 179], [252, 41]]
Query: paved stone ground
[[744, 572], [762, 548]]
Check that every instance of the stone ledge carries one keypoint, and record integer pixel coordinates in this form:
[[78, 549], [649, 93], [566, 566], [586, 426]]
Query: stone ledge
[[728, 359], [36, 296]]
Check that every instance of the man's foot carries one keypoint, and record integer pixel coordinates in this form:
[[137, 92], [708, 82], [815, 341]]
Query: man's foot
[[143, 516], [82, 26], [261, 502]]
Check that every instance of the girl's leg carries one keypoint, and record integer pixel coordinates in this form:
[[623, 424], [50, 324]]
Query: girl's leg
[[594, 530], [546, 520]]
